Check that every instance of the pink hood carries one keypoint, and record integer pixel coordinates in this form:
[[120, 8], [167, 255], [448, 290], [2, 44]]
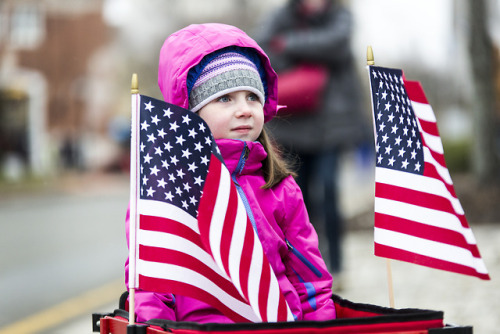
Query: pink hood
[[185, 48]]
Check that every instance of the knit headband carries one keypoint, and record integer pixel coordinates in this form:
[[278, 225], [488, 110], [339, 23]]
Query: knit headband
[[226, 73]]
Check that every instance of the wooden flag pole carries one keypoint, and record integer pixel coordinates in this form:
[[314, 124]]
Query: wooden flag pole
[[133, 215], [370, 60]]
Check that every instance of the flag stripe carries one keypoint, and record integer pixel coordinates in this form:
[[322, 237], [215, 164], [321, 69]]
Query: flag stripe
[[420, 230], [235, 311], [428, 248], [402, 255]]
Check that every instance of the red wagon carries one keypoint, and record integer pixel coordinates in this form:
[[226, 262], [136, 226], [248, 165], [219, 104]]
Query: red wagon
[[351, 318]]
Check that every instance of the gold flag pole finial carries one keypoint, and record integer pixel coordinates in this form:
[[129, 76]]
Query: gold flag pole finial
[[135, 84], [369, 56]]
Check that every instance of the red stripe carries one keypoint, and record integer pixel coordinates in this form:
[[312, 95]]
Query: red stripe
[[424, 231], [431, 171], [208, 199], [150, 283], [399, 254], [429, 127], [246, 261], [422, 199], [165, 225], [264, 288], [415, 91], [228, 227]]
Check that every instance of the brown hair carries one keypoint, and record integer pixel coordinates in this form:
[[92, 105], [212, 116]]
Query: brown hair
[[274, 166]]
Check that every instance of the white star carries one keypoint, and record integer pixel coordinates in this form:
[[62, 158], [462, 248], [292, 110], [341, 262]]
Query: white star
[[387, 106], [208, 141], [145, 180], [398, 140], [158, 151], [413, 154], [174, 126], [379, 159], [187, 187], [390, 117], [144, 126], [148, 106], [150, 191], [404, 164], [192, 133], [394, 129], [409, 142], [185, 205], [202, 127], [186, 119], [180, 140], [198, 180], [161, 133], [155, 120], [174, 160], [167, 113], [167, 146], [180, 173], [151, 138], [384, 138], [417, 166], [171, 177], [391, 161], [384, 95], [381, 127], [147, 158], [162, 183], [198, 146], [178, 190], [401, 152], [204, 160], [154, 170], [169, 196], [186, 154], [388, 149], [142, 147], [192, 167], [193, 200], [165, 164]]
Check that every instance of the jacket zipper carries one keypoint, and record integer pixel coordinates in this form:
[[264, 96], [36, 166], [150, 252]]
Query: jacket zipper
[[238, 170], [303, 259]]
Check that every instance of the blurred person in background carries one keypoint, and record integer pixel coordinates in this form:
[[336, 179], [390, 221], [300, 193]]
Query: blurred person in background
[[308, 42]]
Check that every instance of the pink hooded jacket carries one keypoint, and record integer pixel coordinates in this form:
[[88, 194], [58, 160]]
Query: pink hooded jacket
[[278, 214]]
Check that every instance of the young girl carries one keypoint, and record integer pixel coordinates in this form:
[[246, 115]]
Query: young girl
[[222, 74]]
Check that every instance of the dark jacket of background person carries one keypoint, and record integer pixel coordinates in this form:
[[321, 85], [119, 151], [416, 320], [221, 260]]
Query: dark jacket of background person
[[290, 37]]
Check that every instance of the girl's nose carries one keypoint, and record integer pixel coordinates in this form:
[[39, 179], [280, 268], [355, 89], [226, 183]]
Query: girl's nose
[[243, 109]]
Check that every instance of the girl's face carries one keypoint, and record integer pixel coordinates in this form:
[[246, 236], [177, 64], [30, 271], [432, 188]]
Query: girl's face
[[237, 115]]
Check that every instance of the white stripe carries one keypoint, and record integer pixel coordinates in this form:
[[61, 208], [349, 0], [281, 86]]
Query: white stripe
[[417, 182], [185, 275], [424, 111], [429, 248], [236, 247], [423, 215], [169, 211], [442, 171], [433, 142]]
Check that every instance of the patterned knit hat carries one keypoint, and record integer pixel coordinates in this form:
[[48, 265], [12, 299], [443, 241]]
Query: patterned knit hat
[[226, 73]]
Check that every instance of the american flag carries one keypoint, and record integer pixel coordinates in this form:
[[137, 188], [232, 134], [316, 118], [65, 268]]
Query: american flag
[[191, 232], [418, 217]]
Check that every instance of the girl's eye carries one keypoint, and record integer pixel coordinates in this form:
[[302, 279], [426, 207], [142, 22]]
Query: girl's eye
[[223, 98], [253, 97]]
